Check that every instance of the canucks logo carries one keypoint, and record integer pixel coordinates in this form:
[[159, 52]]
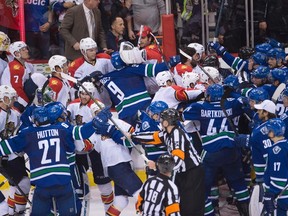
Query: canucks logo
[[145, 125], [276, 149]]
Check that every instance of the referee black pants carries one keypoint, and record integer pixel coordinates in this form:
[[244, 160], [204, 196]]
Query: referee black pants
[[191, 186]]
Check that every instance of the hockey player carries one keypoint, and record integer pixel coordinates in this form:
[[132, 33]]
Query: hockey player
[[79, 112], [4, 45], [189, 172], [116, 158], [18, 71], [276, 173], [284, 116], [197, 58], [88, 63], [276, 58], [126, 86], [209, 76], [172, 94], [57, 88], [166, 198], [12, 167], [190, 80], [46, 145], [217, 137]]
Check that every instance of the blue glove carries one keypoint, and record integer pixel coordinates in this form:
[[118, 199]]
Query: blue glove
[[269, 202], [105, 114], [217, 47], [174, 60], [274, 43], [103, 128], [242, 140]]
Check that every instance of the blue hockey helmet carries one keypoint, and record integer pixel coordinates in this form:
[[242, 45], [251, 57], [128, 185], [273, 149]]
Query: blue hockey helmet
[[258, 95], [263, 48], [278, 74], [165, 163], [276, 53], [215, 91], [261, 72], [40, 116], [259, 58], [116, 61], [56, 110], [231, 81], [156, 107], [277, 126]]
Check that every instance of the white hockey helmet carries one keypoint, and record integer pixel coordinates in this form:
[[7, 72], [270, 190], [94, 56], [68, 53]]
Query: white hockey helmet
[[4, 41], [89, 86], [188, 78], [213, 73], [132, 55], [56, 60], [7, 91], [87, 43], [16, 47], [95, 108], [198, 47], [163, 77]]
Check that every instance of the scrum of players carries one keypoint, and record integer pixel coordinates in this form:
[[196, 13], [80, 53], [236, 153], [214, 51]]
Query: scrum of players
[[194, 121]]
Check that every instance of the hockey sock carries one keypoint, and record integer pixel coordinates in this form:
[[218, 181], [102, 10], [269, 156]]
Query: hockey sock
[[112, 211], [107, 194], [11, 205], [120, 202], [3, 208], [20, 202]]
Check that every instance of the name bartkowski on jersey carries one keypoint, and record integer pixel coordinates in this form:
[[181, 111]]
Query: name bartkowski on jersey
[[47, 133], [215, 113]]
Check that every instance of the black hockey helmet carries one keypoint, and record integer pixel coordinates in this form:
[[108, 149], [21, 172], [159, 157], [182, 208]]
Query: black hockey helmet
[[212, 61], [171, 115], [246, 52], [165, 163]]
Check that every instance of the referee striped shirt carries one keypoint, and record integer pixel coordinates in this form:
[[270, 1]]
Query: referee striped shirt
[[158, 197]]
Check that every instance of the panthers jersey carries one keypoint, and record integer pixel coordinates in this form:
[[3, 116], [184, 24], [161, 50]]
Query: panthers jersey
[[276, 173], [215, 130], [259, 142], [46, 147]]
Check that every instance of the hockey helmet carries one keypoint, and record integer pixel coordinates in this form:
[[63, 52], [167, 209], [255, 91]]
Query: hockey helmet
[[277, 126], [56, 111], [258, 95], [165, 163], [278, 74], [156, 107], [188, 78], [4, 41], [198, 47], [132, 55], [263, 48], [163, 77], [57, 60], [212, 61], [259, 58], [231, 81], [7, 91], [116, 61], [40, 116], [261, 72], [87, 43], [246, 52], [171, 115], [215, 91], [89, 86], [213, 73], [16, 47]]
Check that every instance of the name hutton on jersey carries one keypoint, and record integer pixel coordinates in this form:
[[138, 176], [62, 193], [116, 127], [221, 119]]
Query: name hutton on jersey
[[47, 133]]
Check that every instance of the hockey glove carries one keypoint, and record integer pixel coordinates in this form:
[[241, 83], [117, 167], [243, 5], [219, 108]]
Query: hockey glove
[[174, 60], [242, 140], [105, 114], [217, 47], [274, 43], [269, 202]]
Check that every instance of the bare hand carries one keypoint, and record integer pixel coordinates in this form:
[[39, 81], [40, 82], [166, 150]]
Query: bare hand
[[151, 164], [76, 46], [131, 35], [45, 27]]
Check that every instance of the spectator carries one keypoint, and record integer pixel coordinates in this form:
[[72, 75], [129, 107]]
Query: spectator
[[115, 34], [141, 17], [38, 21], [82, 21]]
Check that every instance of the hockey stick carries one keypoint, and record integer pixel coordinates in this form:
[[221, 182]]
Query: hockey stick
[[3, 182], [278, 91], [240, 69], [140, 35], [72, 79]]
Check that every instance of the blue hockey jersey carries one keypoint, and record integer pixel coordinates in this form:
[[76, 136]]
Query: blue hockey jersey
[[215, 130], [46, 147], [127, 89], [276, 173]]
